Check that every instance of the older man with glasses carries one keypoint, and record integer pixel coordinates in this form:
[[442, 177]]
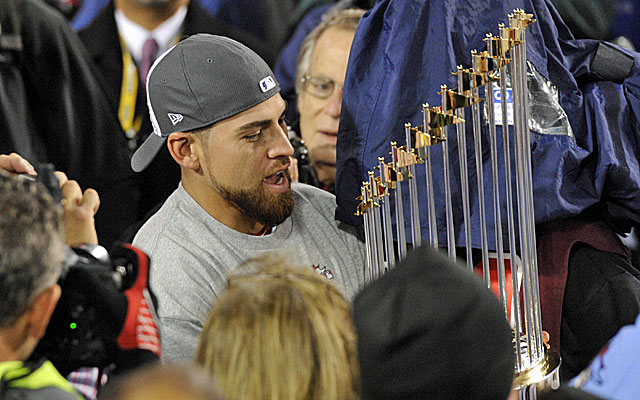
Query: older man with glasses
[[322, 65]]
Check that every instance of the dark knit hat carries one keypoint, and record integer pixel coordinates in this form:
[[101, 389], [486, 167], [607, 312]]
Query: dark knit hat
[[430, 329], [198, 82]]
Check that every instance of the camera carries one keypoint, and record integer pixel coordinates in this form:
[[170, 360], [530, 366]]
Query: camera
[[306, 173], [46, 178], [91, 312]]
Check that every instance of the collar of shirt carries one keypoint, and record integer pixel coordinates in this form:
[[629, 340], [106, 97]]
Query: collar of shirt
[[135, 35]]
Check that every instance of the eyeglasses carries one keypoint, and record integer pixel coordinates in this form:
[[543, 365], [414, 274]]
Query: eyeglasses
[[319, 87]]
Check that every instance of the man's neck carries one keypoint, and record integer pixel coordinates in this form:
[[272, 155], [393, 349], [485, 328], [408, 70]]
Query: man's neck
[[219, 208], [146, 16], [11, 345]]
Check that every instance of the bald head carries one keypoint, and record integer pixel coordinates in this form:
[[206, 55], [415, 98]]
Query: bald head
[[164, 382]]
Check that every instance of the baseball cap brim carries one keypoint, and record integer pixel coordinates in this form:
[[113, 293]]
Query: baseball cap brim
[[146, 153]]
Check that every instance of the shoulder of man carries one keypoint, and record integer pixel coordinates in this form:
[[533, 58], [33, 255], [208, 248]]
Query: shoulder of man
[[38, 380], [314, 195], [151, 231], [310, 199]]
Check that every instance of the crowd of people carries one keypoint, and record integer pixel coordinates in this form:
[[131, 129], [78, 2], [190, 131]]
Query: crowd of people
[[210, 247]]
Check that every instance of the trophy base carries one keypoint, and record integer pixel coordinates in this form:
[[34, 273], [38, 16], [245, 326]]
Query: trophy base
[[544, 375]]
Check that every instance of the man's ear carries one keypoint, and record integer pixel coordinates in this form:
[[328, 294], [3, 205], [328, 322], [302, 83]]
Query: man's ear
[[182, 146], [41, 310]]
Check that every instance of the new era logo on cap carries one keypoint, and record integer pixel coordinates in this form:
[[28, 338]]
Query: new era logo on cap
[[175, 118], [267, 83]]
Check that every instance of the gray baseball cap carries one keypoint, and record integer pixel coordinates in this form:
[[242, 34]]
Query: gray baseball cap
[[202, 80]]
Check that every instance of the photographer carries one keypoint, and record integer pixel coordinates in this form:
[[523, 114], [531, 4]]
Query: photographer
[[33, 256], [33, 251]]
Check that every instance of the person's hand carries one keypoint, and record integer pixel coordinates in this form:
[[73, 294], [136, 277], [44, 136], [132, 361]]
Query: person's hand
[[79, 210], [14, 163], [545, 339]]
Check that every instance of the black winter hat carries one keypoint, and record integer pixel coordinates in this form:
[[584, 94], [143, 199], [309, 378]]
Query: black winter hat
[[430, 329]]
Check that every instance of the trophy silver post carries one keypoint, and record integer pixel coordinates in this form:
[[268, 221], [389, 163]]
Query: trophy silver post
[[362, 211], [506, 141], [375, 248], [476, 120], [464, 174], [431, 211], [386, 217], [523, 20], [376, 223], [497, 212], [451, 240], [532, 352], [416, 234], [399, 209]]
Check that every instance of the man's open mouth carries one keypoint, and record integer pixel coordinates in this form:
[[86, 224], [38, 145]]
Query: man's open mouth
[[276, 179]]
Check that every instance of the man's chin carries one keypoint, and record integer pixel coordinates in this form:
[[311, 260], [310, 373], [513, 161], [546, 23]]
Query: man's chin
[[279, 208]]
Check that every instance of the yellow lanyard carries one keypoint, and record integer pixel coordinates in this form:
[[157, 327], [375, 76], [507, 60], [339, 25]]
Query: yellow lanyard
[[128, 96]]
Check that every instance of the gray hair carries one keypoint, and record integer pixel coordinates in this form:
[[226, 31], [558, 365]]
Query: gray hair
[[31, 245], [344, 19]]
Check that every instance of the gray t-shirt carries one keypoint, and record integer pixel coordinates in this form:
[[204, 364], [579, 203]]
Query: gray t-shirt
[[192, 254]]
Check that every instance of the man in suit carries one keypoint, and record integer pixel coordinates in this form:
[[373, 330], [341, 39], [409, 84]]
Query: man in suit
[[123, 40]]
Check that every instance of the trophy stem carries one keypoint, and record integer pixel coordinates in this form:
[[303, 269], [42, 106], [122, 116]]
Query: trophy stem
[[477, 139], [509, 198], [416, 234], [433, 223], [376, 224], [451, 241], [399, 208], [522, 65], [388, 242], [524, 211], [464, 184], [464, 177], [497, 213], [367, 235], [386, 218], [431, 211], [401, 234]]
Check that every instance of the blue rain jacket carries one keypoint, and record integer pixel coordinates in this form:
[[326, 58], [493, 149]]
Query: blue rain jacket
[[405, 49]]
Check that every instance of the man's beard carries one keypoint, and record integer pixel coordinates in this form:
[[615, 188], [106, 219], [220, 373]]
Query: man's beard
[[258, 204]]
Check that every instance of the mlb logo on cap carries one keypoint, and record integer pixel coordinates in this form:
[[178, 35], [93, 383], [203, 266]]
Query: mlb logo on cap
[[267, 83]]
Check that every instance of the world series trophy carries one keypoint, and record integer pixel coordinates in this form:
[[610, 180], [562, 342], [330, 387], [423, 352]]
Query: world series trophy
[[501, 66]]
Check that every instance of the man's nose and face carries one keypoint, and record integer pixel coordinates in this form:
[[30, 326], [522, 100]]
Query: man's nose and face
[[247, 158], [319, 103]]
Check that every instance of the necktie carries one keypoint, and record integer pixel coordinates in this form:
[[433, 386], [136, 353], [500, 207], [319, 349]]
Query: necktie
[[149, 50]]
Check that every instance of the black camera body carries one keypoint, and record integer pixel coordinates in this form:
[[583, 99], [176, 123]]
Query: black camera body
[[306, 173], [91, 312]]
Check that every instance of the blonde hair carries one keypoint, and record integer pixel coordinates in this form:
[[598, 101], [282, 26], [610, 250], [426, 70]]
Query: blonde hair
[[280, 332]]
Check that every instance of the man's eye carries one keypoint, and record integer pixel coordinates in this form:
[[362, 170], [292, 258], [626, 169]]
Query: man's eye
[[323, 87], [252, 137]]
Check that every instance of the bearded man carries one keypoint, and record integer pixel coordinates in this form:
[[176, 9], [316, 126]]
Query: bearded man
[[123, 41], [216, 105]]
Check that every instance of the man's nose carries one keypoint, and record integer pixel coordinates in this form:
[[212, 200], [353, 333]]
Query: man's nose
[[280, 145], [334, 103]]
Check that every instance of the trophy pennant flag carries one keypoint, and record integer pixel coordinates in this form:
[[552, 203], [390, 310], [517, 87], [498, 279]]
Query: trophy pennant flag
[[498, 72]]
